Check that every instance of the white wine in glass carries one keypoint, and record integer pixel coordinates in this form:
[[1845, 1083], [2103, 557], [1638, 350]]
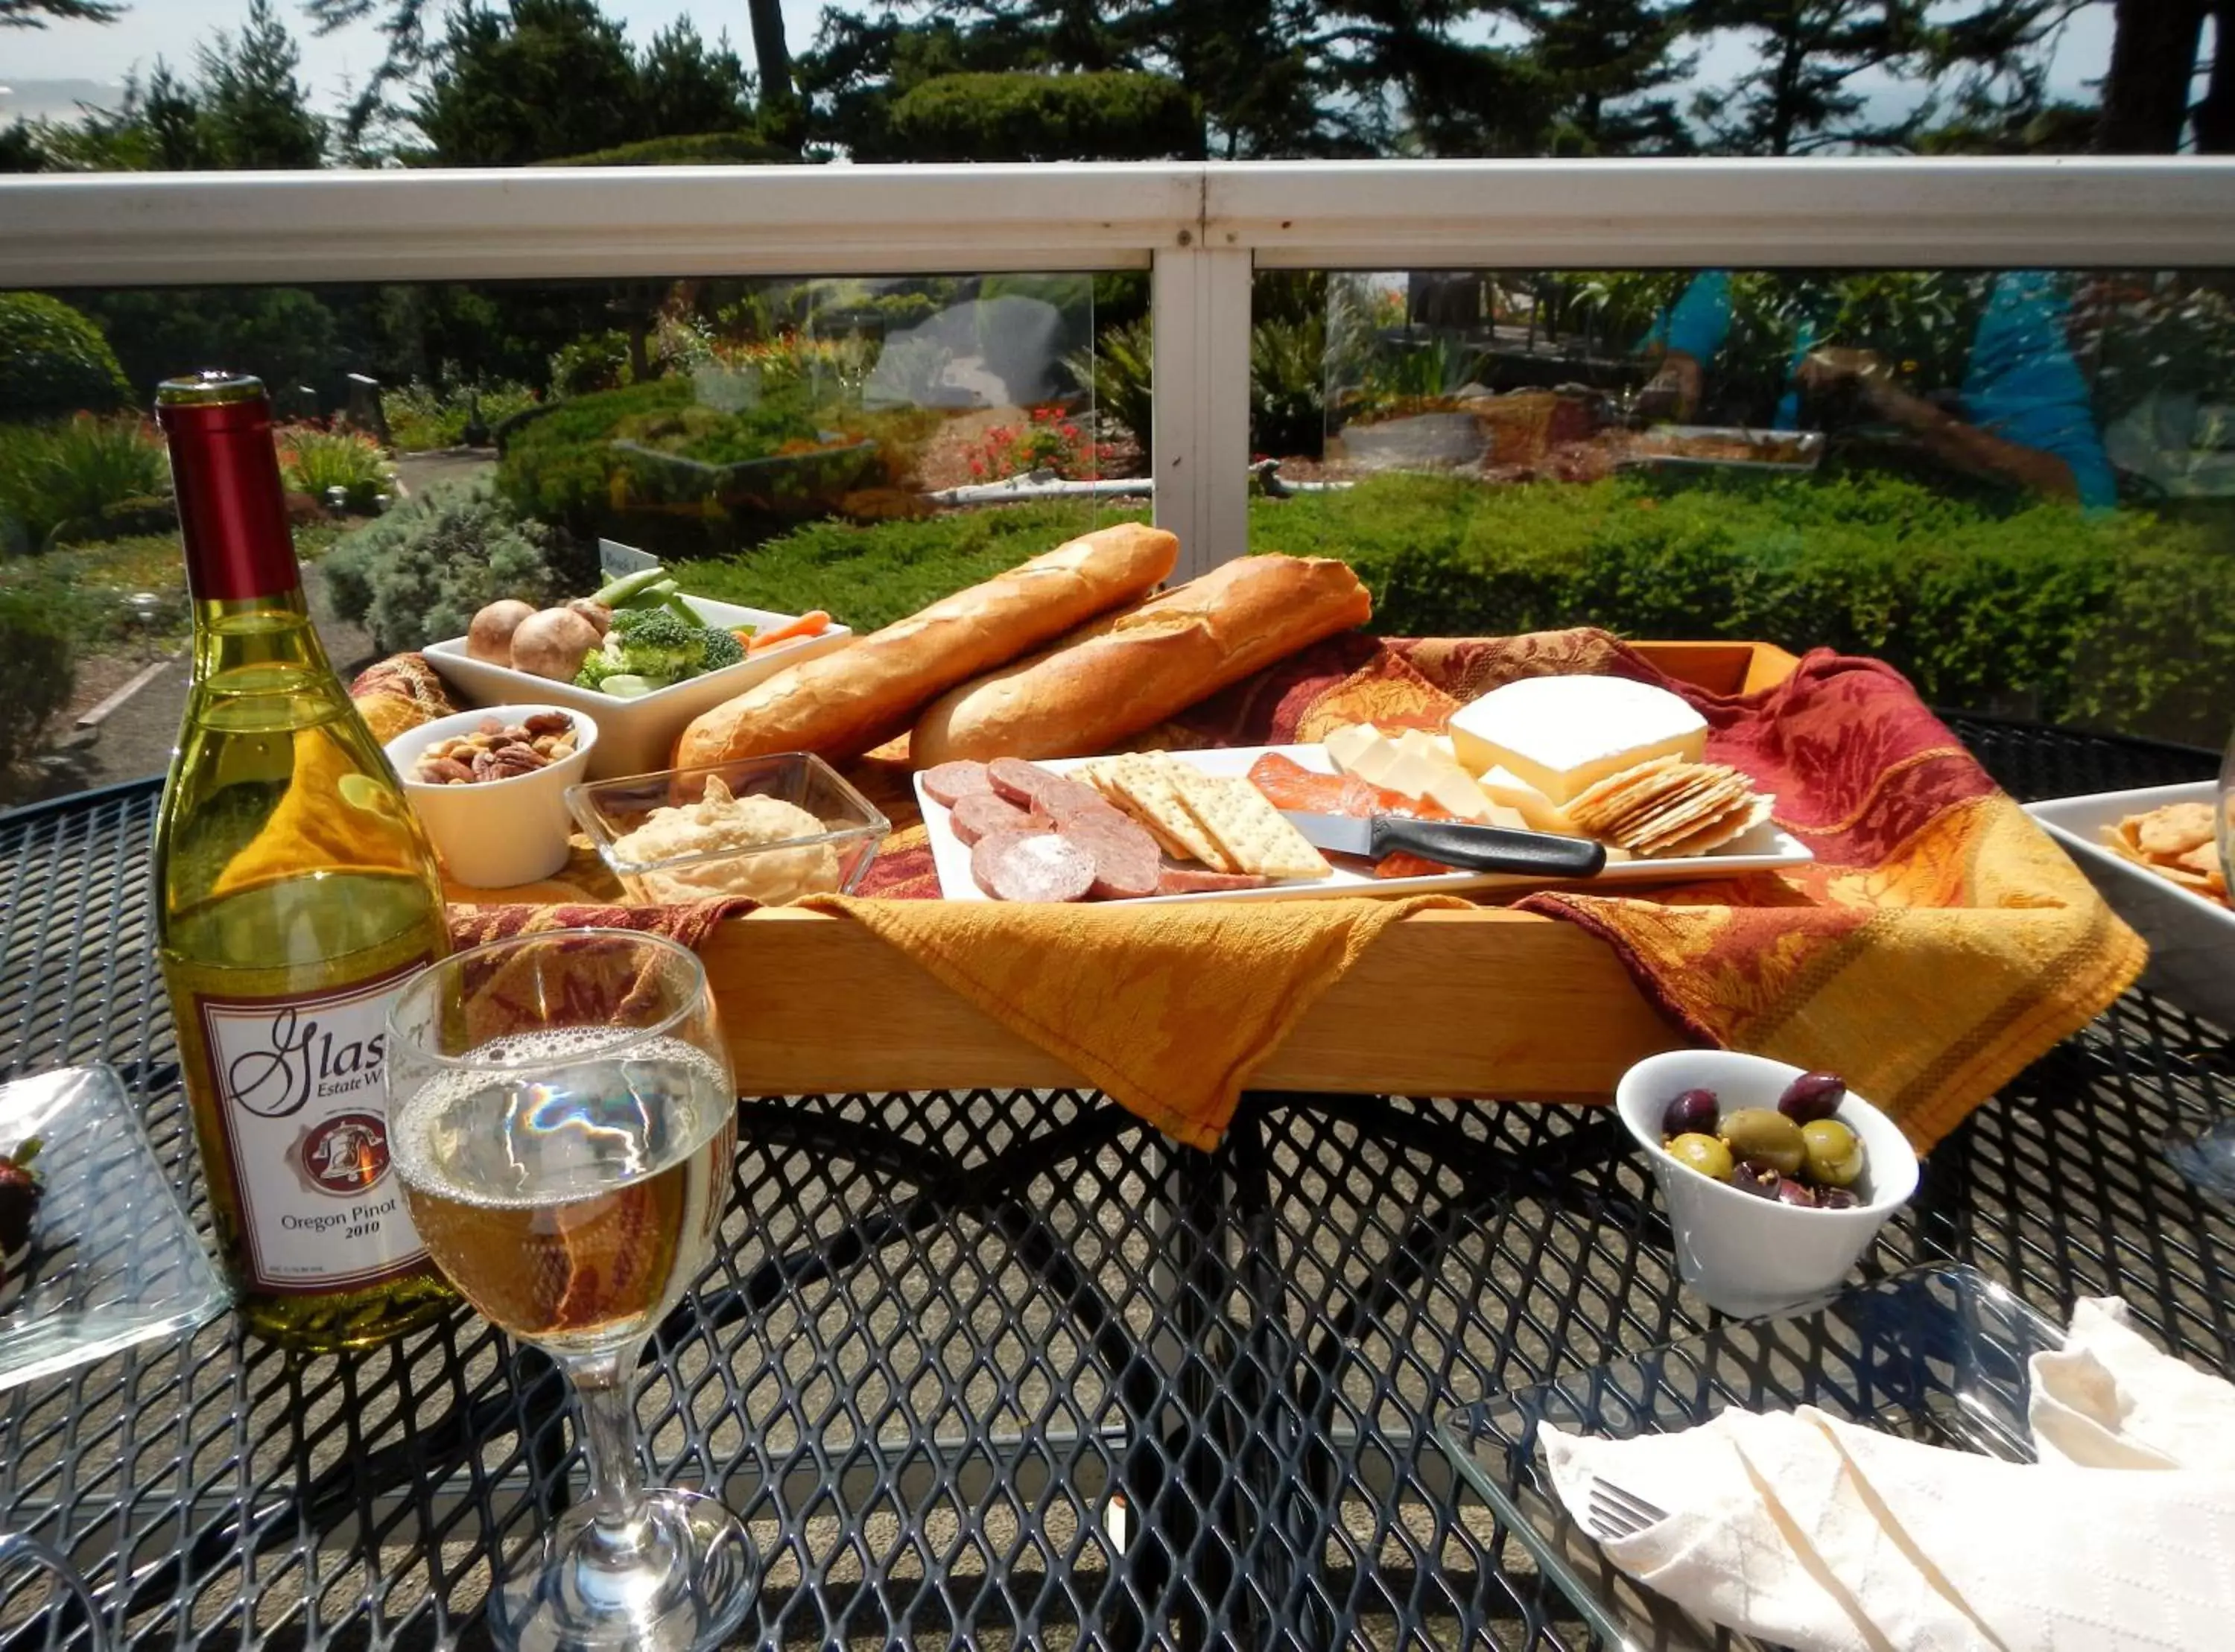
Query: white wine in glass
[[563, 1122]]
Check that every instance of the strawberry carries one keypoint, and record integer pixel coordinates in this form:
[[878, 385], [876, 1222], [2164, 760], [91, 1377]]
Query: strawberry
[[19, 1195]]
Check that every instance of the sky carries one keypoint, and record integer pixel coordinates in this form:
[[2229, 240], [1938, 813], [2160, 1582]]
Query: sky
[[170, 29]]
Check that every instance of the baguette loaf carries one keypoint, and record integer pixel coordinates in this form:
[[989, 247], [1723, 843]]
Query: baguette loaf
[[1130, 671], [840, 704]]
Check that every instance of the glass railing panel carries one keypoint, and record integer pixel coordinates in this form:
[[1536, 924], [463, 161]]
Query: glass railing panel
[[858, 445], [2017, 485]]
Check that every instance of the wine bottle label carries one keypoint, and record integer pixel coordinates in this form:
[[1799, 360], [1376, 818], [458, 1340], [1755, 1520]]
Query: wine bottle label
[[297, 1083]]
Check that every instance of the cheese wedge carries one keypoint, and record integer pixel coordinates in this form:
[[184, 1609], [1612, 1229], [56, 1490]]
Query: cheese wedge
[[1346, 744], [1507, 790], [1416, 763], [1564, 735]]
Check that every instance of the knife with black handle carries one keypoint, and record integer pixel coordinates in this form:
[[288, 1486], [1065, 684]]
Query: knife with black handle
[[1454, 843]]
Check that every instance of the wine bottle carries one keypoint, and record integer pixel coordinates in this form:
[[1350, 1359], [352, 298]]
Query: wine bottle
[[295, 894]]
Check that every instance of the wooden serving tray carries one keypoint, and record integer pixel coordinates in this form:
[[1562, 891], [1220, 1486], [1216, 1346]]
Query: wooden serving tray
[[1482, 1002]]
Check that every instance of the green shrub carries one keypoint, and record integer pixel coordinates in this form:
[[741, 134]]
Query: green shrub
[[422, 418], [870, 575], [41, 674], [596, 361], [2121, 620], [78, 479], [2125, 621], [704, 149], [316, 461], [418, 574], [1287, 393], [1111, 115], [54, 360], [1120, 372]]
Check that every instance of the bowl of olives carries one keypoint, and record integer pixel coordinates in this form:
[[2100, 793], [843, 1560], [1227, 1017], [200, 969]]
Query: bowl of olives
[[1775, 1180]]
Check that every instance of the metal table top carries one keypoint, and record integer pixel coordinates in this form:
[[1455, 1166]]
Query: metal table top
[[1007, 1369]]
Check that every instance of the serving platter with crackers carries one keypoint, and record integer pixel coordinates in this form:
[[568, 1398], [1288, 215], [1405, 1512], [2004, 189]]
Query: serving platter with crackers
[[2152, 855], [1215, 843]]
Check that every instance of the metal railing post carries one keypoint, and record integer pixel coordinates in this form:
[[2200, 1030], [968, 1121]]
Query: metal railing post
[[1200, 301]]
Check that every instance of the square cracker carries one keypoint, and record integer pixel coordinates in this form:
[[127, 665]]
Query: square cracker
[[1142, 785], [1245, 824]]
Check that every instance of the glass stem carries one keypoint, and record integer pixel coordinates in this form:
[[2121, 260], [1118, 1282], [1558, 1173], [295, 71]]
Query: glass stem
[[615, 1500]]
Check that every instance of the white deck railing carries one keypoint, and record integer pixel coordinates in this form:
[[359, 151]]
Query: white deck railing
[[1201, 228]]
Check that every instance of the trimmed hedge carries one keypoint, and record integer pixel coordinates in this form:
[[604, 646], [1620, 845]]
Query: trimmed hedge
[[1104, 115], [704, 149], [55, 361], [2125, 620]]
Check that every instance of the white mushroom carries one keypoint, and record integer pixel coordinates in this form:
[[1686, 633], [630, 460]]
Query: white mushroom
[[489, 637], [553, 643]]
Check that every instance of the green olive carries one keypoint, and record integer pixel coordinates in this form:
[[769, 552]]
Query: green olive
[[1702, 1153], [1835, 1154], [1764, 1134]]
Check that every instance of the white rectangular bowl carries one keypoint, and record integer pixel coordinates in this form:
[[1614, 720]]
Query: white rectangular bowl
[[2192, 941], [1764, 849], [635, 736]]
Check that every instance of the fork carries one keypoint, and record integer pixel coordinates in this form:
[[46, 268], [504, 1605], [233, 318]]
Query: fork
[[1617, 1513]]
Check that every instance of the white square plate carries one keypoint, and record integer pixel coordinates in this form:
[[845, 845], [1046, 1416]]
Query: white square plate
[[635, 736], [1764, 849], [2192, 941]]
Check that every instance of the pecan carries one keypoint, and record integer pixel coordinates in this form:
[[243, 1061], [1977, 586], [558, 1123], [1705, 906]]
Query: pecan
[[443, 770], [512, 760], [492, 726], [548, 722]]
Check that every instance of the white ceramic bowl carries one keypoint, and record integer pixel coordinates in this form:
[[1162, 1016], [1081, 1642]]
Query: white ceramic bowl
[[639, 734], [493, 834], [1744, 1254]]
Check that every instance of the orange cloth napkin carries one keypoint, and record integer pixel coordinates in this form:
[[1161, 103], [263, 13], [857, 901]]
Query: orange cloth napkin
[[1165, 1008], [1939, 943]]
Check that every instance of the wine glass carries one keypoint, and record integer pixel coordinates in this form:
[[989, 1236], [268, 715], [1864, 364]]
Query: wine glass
[[562, 1119]]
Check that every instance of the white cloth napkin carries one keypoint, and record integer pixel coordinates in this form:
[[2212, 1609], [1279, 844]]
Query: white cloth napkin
[[1802, 1529]]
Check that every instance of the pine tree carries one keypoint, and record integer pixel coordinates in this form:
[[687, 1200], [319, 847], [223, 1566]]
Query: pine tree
[[544, 80], [410, 52], [1799, 99], [1607, 60], [686, 86], [254, 113], [171, 116], [2154, 53], [34, 14]]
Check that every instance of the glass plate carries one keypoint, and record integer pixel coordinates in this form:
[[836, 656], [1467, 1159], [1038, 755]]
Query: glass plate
[[1936, 1354], [114, 1260]]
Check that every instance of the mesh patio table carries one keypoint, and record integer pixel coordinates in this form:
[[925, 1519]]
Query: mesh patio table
[[1006, 1369]]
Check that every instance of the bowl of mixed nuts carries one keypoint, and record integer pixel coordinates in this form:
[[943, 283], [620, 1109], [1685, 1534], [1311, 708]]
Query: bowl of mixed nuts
[[490, 787]]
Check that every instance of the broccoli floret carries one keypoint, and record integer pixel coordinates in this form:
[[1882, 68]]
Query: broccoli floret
[[722, 647], [661, 646], [596, 667]]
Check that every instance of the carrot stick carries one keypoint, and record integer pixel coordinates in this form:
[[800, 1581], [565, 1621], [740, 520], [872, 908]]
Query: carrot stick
[[811, 623]]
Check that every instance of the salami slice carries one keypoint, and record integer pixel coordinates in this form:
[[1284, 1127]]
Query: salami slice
[[948, 783], [1125, 860], [1201, 880], [1059, 798], [1016, 780], [979, 812], [1031, 866]]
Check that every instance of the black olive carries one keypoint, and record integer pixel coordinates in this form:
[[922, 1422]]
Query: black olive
[[1813, 1096], [1692, 1113]]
